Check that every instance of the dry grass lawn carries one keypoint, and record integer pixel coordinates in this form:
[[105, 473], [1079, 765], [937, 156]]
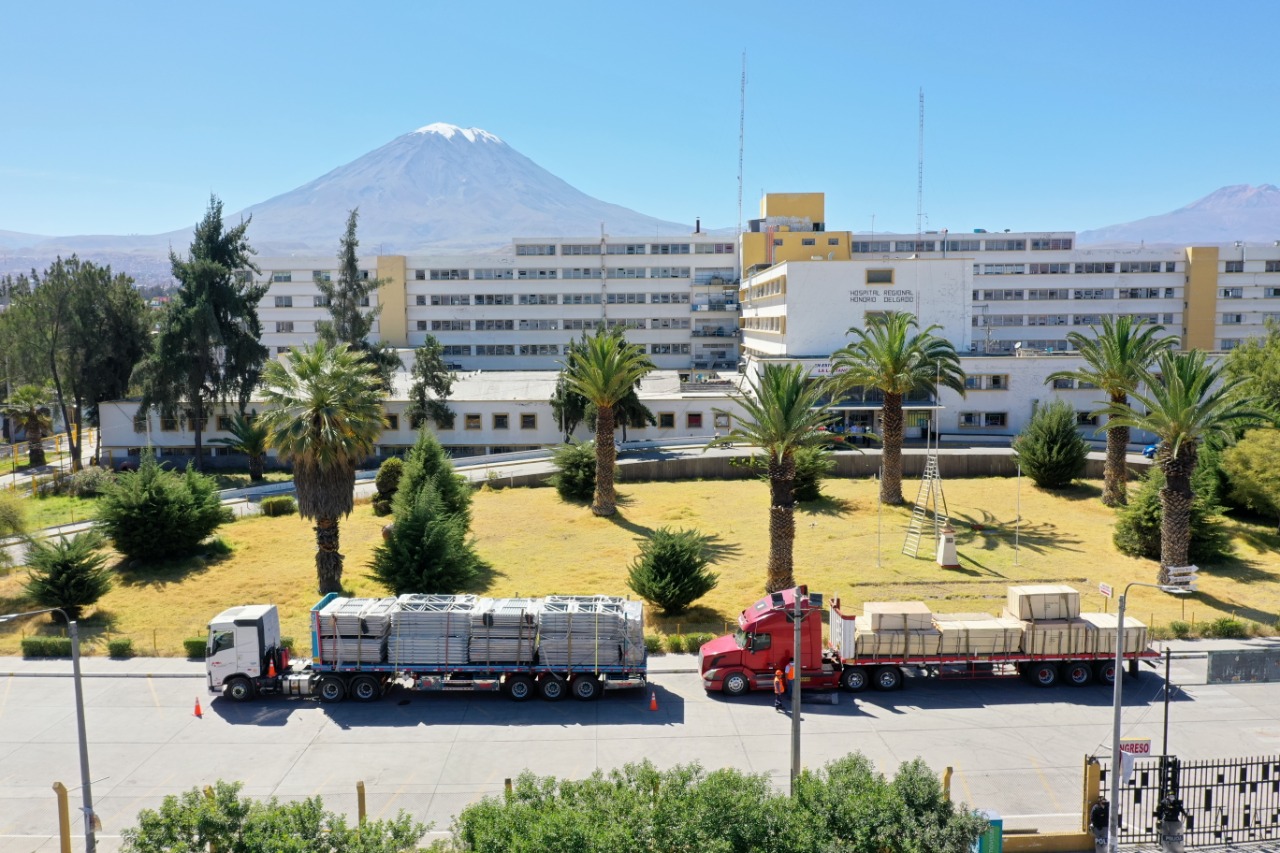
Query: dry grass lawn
[[537, 545]]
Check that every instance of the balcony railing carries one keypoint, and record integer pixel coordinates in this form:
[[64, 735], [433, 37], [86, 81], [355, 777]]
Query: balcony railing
[[718, 332], [714, 306]]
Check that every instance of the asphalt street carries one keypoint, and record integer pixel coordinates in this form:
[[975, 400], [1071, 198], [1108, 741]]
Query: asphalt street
[[1015, 748]]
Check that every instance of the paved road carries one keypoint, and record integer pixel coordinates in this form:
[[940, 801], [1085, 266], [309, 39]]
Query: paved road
[[1016, 748]]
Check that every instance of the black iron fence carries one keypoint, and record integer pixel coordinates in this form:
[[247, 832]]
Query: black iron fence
[[1227, 801]]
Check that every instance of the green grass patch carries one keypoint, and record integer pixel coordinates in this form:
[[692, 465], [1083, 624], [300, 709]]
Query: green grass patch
[[56, 510]]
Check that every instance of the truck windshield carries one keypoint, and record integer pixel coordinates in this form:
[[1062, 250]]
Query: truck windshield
[[740, 638], [219, 640]]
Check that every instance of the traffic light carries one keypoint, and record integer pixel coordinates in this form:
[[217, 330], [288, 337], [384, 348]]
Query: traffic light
[[1183, 577]]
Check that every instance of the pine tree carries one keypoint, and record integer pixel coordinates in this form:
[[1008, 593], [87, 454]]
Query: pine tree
[[1050, 450], [428, 549], [428, 465]]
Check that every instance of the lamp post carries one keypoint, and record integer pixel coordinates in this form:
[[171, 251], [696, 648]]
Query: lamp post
[[802, 605], [1188, 578], [90, 840]]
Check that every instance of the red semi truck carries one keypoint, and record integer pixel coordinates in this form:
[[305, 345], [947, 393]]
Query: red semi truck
[[746, 659]]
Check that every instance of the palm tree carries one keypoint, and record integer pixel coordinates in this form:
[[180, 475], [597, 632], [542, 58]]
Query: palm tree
[[324, 414], [28, 410], [248, 436], [1115, 360], [603, 367], [887, 356], [1185, 403], [784, 412]]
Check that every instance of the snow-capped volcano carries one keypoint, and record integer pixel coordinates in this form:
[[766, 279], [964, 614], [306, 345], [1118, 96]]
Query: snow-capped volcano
[[1240, 212]]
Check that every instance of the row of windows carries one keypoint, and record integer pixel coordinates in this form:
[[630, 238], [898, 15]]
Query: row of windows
[[526, 249], [286, 276], [631, 298], [703, 277], [1089, 268], [1039, 244], [310, 302], [1044, 294], [1236, 319], [999, 320], [1238, 292], [459, 350]]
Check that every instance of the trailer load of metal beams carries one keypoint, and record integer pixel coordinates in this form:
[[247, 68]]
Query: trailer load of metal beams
[[583, 631], [354, 630], [431, 630], [504, 630]]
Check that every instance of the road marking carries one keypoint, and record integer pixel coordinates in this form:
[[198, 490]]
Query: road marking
[[4, 700], [399, 791], [964, 783], [151, 685], [1044, 782]]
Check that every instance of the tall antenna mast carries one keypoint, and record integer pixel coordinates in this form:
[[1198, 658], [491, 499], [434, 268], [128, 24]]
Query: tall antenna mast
[[742, 128], [920, 172]]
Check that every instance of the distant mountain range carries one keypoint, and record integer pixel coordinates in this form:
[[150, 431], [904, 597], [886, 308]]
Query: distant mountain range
[[1241, 212], [438, 188], [443, 188]]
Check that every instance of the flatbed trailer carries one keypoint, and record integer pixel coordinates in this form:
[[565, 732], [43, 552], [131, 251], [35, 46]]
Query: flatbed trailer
[[764, 642], [246, 659]]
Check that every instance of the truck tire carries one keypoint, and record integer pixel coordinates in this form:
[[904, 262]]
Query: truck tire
[[551, 688], [519, 688], [855, 679], [1078, 673], [365, 688], [240, 689], [1104, 672], [888, 678], [1044, 674], [736, 684], [587, 688], [331, 689]]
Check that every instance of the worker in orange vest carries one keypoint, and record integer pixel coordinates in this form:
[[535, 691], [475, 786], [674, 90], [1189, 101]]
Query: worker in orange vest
[[779, 685], [790, 671]]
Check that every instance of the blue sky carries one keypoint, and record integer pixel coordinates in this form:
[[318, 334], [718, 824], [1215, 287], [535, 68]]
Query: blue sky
[[122, 118]]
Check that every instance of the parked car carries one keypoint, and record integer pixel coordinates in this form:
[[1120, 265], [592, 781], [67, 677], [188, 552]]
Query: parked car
[[1150, 450]]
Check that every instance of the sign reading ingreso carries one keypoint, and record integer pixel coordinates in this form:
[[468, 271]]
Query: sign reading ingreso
[[1136, 746]]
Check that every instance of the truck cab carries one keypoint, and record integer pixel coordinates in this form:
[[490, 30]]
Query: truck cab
[[243, 646], [764, 642]]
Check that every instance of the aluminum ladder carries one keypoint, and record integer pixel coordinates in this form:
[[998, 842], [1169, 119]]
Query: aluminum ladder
[[930, 493]]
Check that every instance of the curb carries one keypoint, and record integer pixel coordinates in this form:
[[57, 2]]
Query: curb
[[105, 675]]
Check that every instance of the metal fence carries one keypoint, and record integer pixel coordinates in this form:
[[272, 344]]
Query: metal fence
[[1228, 801]]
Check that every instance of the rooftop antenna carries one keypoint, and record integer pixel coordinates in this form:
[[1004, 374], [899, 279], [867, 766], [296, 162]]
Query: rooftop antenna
[[920, 170], [742, 128]]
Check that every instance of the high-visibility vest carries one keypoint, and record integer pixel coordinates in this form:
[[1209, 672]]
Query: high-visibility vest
[[791, 671], [777, 683]]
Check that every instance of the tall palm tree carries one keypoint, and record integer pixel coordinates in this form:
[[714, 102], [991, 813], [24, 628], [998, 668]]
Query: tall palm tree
[[1185, 402], [248, 436], [28, 409], [1115, 360], [603, 367], [324, 414], [784, 412], [892, 356]]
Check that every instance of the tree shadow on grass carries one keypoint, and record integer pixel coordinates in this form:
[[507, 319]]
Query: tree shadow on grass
[[1077, 491], [1253, 614], [1264, 539], [620, 519], [161, 573], [836, 507], [1238, 569], [986, 532]]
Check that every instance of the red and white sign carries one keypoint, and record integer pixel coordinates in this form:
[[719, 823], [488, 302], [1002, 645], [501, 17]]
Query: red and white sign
[[1136, 746], [1105, 589]]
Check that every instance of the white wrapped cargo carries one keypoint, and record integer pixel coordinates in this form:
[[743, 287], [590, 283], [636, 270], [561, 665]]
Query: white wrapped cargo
[[1045, 601], [1104, 627], [985, 636], [905, 644], [1058, 637], [896, 616]]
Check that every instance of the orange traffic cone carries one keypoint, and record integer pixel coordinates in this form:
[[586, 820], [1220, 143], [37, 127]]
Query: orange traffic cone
[[199, 713], [653, 701], [271, 668]]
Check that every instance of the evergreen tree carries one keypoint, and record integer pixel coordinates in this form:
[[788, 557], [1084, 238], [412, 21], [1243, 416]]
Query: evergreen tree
[[69, 572], [428, 549], [575, 476], [432, 383], [1251, 470], [671, 570], [1139, 525], [1050, 449], [350, 319], [153, 514], [208, 349], [427, 465]]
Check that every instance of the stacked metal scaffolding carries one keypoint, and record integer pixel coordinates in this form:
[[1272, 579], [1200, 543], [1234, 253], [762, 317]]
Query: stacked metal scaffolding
[[433, 630], [354, 630], [578, 631], [504, 630]]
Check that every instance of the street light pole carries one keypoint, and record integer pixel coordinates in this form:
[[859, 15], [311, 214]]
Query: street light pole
[[798, 617], [1113, 822], [90, 840]]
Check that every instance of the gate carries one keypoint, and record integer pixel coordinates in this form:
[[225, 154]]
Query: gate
[[1228, 801]]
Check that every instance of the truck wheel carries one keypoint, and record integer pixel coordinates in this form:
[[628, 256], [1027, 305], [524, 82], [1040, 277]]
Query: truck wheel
[[519, 688], [551, 688], [240, 689], [1104, 672], [365, 688], [1045, 674], [587, 688], [736, 684], [854, 679], [1078, 673], [888, 678], [332, 689]]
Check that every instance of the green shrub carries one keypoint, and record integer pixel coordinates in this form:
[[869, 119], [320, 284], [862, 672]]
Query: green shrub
[[1137, 530], [89, 483], [813, 465], [286, 643], [429, 463], [674, 643], [153, 514], [575, 476], [46, 647], [1050, 449], [121, 647], [278, 505], [653, 644], [694, 642], [195, 647], [218, 818], [67, 572], [1225, 628], [671, 570], [1180, 629], [429, 549], [13, 522], [387, 483]]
